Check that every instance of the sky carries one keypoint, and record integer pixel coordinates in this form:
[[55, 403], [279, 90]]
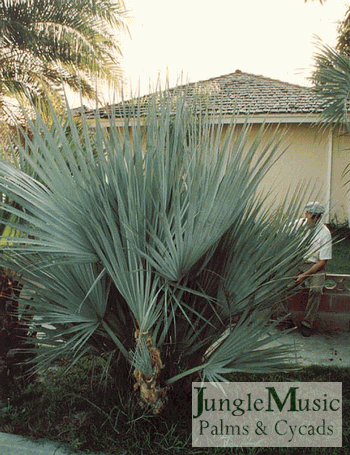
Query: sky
[[194, 40]]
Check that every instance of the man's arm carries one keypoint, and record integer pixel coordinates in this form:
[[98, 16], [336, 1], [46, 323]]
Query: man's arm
[[317, 267]]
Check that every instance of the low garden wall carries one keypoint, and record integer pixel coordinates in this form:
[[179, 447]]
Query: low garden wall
[[334, 311]]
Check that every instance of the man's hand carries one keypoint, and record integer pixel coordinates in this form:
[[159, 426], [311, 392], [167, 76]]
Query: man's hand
[[300, 278], [317, 267]]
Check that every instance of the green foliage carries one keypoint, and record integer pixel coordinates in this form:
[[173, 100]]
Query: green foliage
[[340, 250], [15, 335], [151, 243], [48, 44], [332, 81], [343, 38]]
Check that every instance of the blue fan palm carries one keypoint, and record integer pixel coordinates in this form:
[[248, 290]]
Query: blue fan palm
[[152, 243]]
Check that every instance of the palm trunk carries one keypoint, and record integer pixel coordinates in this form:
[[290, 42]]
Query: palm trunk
[[152, 394]]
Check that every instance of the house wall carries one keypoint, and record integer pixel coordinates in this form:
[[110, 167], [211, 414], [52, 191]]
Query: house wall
[[313, 161], [319, 157], [340, 181], [303, 164]]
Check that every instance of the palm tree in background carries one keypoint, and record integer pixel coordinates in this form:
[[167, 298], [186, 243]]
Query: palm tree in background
[[48, 44], [331, 79], [331, 76]]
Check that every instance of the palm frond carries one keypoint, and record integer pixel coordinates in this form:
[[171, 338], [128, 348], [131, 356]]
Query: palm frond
[[332, 82]]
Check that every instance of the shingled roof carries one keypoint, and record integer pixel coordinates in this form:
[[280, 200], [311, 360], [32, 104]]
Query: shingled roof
[[241, 94]]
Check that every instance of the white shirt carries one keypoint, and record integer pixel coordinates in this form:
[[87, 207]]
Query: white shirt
[[321, 246]]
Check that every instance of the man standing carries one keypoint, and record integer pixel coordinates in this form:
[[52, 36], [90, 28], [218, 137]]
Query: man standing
[[313, 269]]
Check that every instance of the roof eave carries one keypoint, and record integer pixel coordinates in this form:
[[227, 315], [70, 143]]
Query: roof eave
[[308, 118]]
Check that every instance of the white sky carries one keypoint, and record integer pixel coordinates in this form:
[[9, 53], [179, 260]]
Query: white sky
[[202, 39]]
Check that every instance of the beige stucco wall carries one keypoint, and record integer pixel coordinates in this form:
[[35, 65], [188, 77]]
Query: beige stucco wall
[[312, 160], [319, 157], [303, 164], [340, 180]]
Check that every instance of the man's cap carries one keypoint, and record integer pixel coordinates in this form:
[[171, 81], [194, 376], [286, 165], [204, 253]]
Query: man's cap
[[315, 208]]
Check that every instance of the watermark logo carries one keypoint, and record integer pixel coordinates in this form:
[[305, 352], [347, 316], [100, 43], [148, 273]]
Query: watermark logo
[[267, 414]]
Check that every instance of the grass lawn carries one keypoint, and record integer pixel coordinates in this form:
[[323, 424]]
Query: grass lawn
[[78, 409], [340, 262]]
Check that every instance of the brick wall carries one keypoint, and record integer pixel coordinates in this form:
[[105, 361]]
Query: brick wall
[[334, 311]]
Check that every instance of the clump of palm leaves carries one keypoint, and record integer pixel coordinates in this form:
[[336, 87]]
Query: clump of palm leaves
[[150, 242], [45, 43]]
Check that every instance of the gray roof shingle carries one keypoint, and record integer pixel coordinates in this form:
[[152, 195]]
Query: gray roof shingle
[[241, 94]]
